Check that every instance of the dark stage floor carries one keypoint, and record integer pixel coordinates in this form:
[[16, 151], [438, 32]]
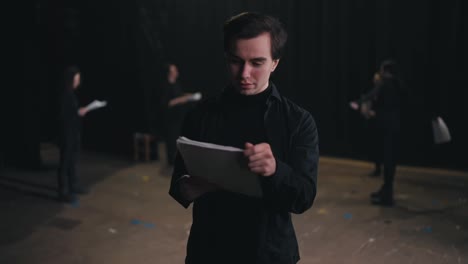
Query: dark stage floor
[[129, 218]]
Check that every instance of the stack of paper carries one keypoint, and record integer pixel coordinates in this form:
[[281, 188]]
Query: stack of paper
[[221, 165], [196, 97], [95, 105]]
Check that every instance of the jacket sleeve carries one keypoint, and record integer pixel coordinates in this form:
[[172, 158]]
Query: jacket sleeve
[[66, 107], [372, 94], [174, 190], [179, 165], [293, 186]]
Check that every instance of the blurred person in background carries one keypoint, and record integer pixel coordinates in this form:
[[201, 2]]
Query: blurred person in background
[[174, 104], [385, 102], [69, 185]]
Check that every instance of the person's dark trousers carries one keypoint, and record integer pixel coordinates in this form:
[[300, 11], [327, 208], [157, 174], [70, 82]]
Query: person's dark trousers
[[67, 177], [155, 148], [390, 142], [172, 132], [390, 159], [384, 196], [376, 146]]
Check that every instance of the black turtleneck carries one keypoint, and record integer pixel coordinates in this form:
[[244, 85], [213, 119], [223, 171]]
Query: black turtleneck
[[237, 215], [244, 118]]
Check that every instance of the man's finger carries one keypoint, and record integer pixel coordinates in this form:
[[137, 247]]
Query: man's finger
[[259, 156], [249, 149], [248, 145]]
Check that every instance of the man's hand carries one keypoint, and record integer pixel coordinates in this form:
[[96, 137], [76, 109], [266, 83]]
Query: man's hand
[[354, 105], [82, 111], [192, 187], [260, 159]]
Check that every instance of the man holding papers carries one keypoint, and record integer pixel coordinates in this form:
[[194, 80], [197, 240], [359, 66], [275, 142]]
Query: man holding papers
[[70, 136], [279, 145]]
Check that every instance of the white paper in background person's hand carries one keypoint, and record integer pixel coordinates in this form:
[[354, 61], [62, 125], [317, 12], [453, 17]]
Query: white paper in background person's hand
[[196, 96], [95, 105], [441, 131]]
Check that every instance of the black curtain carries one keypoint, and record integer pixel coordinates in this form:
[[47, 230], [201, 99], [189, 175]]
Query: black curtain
[[334, 48]]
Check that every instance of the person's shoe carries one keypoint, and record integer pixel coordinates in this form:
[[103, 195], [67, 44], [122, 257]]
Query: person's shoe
[[80, 190], [67, 198], [382, 198], [375, 195]]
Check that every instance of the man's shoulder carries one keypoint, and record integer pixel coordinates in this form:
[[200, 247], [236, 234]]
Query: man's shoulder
[[295, 109], [286, 102], [298, 119]]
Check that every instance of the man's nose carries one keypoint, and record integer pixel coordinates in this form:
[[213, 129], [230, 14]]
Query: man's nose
[[245, 71]]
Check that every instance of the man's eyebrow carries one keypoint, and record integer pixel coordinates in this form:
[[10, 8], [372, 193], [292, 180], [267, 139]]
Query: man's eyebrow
[[259, 59]]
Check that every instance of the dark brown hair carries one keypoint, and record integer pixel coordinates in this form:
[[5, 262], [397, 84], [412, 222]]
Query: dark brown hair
[[250, 25], [70, 73]]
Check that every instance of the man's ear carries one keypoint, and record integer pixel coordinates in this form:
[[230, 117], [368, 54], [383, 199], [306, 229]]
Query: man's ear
[[275, 64]]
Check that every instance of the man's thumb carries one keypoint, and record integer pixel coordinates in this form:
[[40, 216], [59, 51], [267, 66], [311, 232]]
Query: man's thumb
[[248, 145]]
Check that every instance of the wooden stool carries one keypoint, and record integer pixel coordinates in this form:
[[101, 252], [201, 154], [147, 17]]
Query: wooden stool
[[142, 140]]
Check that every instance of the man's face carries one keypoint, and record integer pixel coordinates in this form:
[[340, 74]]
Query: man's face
[[173, 73], [250, 64], [76, 80]]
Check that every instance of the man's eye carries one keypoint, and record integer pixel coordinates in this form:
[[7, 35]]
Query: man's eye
[[257, 63]]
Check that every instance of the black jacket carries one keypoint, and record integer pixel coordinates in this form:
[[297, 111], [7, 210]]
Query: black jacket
[[174, 114], [70, 121], [218, 234], [388, 98]]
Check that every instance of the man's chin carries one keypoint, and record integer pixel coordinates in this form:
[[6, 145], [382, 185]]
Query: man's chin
[[245, 90]]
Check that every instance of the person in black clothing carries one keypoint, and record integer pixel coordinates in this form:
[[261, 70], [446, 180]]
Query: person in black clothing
[[387, 99], [280, 143], [69, 141], [365, 108], [174, 107]]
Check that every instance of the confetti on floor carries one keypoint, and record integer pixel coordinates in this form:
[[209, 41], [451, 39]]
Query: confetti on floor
[[322, 211]]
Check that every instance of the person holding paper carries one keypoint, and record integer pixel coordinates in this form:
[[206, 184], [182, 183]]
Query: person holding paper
[[367, 111], [174, 105], [387, 97], [69, 137], [280, 144]]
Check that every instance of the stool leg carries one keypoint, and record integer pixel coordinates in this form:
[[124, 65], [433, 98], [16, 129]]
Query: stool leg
[[147, 148], [135, 148]]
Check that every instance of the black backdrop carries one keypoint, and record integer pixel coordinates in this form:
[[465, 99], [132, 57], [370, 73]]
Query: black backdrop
[[333, 50]]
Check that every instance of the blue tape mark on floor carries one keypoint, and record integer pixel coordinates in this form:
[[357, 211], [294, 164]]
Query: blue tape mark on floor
[[427, 229], [135, 222], [348, 216], [148, 225], [75, 204], [145, 224]]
